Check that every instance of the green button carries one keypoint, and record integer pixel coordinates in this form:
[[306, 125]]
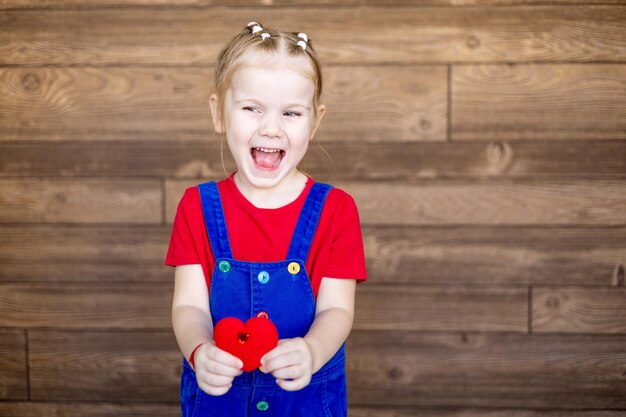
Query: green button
[[224, 266], [262, 405]]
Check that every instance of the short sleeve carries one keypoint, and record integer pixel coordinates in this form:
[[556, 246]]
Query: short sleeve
[[182, 249], [347, 257]]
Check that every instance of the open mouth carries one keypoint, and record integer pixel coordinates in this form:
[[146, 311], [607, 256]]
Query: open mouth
[[267, 158]]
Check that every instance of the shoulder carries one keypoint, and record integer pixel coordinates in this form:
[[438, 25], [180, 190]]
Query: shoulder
[[340, 202]]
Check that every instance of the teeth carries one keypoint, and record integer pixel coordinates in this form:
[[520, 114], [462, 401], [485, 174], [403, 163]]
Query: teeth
[[267, 150]]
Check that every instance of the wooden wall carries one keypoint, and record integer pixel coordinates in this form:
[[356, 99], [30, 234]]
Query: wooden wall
[[484, 142]]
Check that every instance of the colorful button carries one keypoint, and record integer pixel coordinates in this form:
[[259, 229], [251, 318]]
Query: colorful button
[[263, 277], [224, 266], [262, 406], [263, 315], [293, 268]]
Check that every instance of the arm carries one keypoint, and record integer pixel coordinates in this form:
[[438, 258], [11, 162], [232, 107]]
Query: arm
[[192, 324], [293, 361]]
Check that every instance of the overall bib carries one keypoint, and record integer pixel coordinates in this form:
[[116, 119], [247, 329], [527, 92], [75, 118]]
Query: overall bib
[[280, 291]]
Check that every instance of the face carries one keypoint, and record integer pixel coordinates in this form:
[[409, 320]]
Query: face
[[268, 120]]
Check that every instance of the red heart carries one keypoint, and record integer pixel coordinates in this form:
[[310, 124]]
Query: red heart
[[249, 342]]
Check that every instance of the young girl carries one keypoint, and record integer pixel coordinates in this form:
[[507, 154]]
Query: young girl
[[267, 241]]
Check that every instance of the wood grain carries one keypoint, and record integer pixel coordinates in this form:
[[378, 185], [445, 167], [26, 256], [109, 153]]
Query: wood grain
[[432, 255], [494, 255], [33, 4], [364, 103], [93, 305], [13, 378], [556, 101], [489, 202], [80, 201], [579, 310], [120, 366], [94, 253], [487, 370], [462, 370], [328, 162], [343, 35], [45, 409], [77, 409], [140, 306], [405, 308]]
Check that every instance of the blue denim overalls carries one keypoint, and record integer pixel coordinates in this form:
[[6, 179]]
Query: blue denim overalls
[[278, 290]]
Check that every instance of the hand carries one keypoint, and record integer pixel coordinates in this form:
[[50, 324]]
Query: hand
[[216, 369], [291, 363]]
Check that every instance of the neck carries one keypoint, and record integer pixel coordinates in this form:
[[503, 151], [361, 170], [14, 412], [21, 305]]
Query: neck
[[282, 194]]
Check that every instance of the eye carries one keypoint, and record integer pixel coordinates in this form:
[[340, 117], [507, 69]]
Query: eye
[[292, 114], [252, 109]]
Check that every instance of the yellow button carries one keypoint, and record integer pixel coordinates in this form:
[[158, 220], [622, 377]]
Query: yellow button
[[293, 268]]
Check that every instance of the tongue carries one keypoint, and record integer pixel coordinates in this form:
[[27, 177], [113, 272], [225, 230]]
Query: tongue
[[265, 159]]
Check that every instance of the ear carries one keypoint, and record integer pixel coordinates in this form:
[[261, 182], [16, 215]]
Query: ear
[[321, 110], [218, 124]]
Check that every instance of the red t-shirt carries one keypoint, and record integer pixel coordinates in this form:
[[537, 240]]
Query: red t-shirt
[[264, 235]]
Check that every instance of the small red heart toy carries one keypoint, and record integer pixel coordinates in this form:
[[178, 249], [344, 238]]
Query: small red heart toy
[[249, 342]]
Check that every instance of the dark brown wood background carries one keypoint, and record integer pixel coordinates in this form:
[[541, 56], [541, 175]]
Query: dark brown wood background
[[484, 142]]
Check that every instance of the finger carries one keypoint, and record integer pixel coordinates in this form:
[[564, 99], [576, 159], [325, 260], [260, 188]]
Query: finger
[[224, 357], [293, 385], [216, 391], [290, 372], [214, 380], [219, 368]]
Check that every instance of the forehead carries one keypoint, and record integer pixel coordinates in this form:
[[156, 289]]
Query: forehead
[[273, 76]]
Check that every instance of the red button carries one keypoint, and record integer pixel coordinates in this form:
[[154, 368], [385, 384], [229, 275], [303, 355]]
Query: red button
[[263, 315]]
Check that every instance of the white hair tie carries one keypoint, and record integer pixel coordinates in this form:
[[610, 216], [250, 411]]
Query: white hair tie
[[305, 40], [255, 27], [264, 36]]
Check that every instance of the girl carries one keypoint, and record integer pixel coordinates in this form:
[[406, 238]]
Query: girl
[[267, 241]]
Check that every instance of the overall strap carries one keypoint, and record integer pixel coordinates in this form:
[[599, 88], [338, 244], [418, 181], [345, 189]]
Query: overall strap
[[214, 220], [307, 222]]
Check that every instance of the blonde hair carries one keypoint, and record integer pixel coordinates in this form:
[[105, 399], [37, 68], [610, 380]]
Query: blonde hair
[[280, 44]]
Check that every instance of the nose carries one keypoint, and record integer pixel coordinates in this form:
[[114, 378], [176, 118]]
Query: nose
[[271, 126]]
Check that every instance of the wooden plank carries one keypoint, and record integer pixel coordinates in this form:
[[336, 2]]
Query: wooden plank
[[111, 103], [489, 202], [328, 162], [80, 201], [556, 101], [579, 310], [406, 308], [140, 306], [365, 103], [114, 366], [87, 305], [34, 4], [466, 255], [180, 36], [376, 411], [487, 370], [45, 409], [57, 253], [385, 103], [384, 369], [13, 378], [77, 409], [494, 255]]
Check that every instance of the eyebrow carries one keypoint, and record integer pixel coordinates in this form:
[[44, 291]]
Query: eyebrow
[[257, 101]]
